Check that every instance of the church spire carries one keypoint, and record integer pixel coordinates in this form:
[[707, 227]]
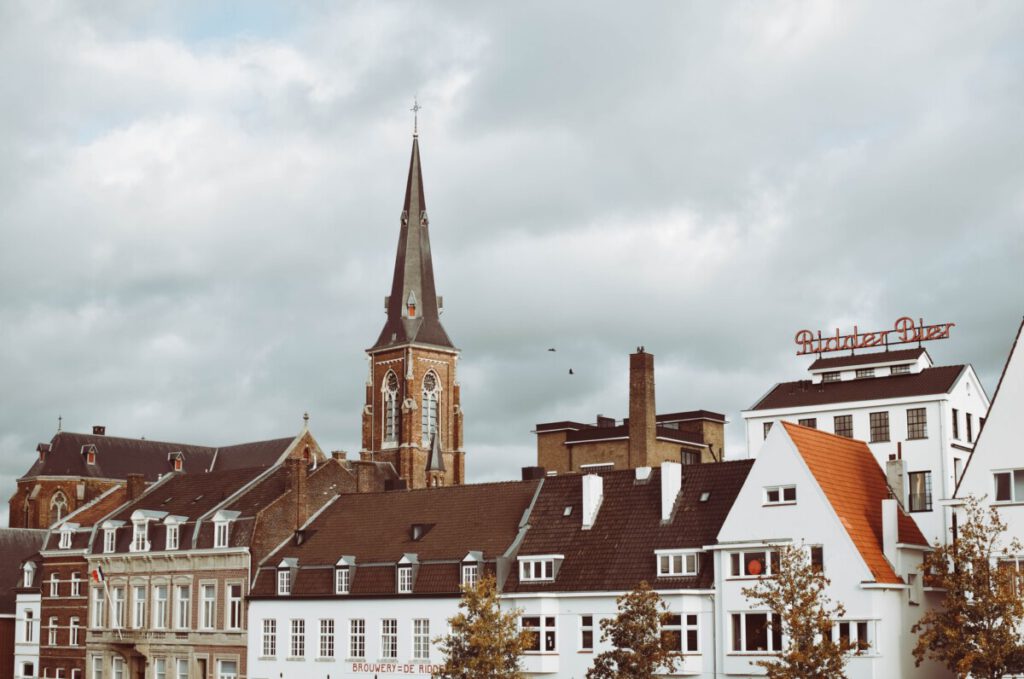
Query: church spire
[[413, 306]]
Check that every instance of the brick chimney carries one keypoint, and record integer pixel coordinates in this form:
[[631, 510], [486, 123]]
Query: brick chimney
[[136, 485], [296, 473], [641, 408]]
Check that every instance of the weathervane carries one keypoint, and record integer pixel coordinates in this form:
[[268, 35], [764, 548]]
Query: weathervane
[[415, 116]]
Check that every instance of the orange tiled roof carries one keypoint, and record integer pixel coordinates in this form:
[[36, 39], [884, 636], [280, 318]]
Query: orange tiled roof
[[855, 485]]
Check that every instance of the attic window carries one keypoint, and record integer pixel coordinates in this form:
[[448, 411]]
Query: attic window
[[675, 563], [109, 539], [220, 534], [537, 568], [177, 461], [90, 453], [140, 536], [567, 511], [899, 370], [780, 495], [284, 582], [342, 579], [65, 539], [418, 530], [470, 574], [405, 579], [834, 376], [705, 496]]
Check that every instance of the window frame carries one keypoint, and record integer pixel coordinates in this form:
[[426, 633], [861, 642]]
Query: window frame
[[139, 606], [586, 628], [207, 605], [405, 579], [325, 645], [879, 430], [389, 638], [51, 630], [537, 569], [221, 534], [297, 638], [683, 624], [234, 607], [74, 630], [268, 640], [738, 559], [54, 584], [853, 634], [810, 422], [284, 582], [832, 376], [183, 606], [421, 639], [76, 584], [781, 492], [669, 559], [1011, 486], [912, 506], [836, 419], [160, 605], [470, 574], [546, 631], [357, 638], [917, 429], [172, 537], [342, 580], [772, 631]]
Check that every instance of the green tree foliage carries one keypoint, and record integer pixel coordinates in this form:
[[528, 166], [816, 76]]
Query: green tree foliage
[[795, 595], [484, 642], [640, 648], [976, 633]]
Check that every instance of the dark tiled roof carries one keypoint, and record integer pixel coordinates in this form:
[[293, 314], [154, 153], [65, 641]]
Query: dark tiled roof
[[691, 415], [622, 432], [245, 455], [16, 545], [804, 393], [190, 495], [618, 551], [867, 359], [562, 424]]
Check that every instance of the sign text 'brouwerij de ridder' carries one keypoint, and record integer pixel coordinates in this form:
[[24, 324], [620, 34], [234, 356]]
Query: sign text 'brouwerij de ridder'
[[904, 331]]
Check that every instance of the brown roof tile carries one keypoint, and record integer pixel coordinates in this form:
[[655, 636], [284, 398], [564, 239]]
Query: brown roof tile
[[16, 545]]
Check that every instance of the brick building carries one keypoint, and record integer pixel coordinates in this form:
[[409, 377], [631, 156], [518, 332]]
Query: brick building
[[643, 439], [412, 417]]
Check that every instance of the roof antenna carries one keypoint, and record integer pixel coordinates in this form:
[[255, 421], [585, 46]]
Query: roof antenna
[[60, 424], [305, 421], [415, 116]]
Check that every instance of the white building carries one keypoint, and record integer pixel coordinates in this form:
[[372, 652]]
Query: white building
[[824, 493], [26, 623], [902, 406]]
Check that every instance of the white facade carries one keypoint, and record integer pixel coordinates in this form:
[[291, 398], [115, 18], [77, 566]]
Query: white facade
[[938, 457], [26, 635]]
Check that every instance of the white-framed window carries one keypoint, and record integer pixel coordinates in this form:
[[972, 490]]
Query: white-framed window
[[780, 495], [117, 601], [160, 593], [182, 666], [54, 585], [28, 574], [682, 631], [859, 633], [298, 638], [30, 625], [208, 610], [421, 639], [138, 606], [227, 669], [51, 631], [405, 579], [234, 609], [65, 539], [58, 507], [269, 638], [117, 667], [357, 638], [543, 633], [833, 376], [220, 538], [140, 536], [752, 633], [470, 574], [431, 398], [172, 537], [183, 606], [389, 638], [586, 633], [342, 580], [109, 540], [326, 649], [98, 606], [159, 668], [97, 667], [917, 423], [76, 673], [28, 669], [533, 569], [1008, 485], [766, 428], [390, 392], [749, 564], [899, 370], [284, 582], [76, 585], [677, 563], [74, 625]]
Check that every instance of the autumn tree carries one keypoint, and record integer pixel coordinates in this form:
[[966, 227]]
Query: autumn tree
[[976, 632], [801, 611], [484, 642], [640, 647]]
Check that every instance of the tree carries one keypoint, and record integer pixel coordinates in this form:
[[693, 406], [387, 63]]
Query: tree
[[640, 648], [795, 596], [976, 631], [484, 642]]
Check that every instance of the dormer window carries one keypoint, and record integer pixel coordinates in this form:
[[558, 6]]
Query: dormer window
[[28, 574], [109, 540], [405, 579], [220, 537], [833, 376], [172, 536], [538, 568], [66, 534], [410, 304], [780, 495], [865, 372], [342, 579], [284, 582], [177, 461], [900, 370], [89, 452], [140, 536], [677, 563], [470, 575]]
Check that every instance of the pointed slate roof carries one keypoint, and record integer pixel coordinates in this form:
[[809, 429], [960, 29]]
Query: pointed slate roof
[[413, 281], [435, 462]]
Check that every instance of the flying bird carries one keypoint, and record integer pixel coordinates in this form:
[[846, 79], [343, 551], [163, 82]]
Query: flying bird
[[551, 349], [571, 372]]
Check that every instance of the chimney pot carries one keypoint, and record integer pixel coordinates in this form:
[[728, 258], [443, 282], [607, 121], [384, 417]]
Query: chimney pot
[[99, 430], [136, 484], [339, 455]]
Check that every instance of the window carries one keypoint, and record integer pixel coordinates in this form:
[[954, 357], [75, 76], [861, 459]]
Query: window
[[917, 423], [227, 669], [542, 633], [431, 396], [58, 507], [327, 638], [54, 585], [357, 638], [421, 639], [879, 426], [117, 667], [811, 422], [389, 638], [98, 605], [220, 537], [76, 585], [1009, 485], [234, 606], [159, 668], [780, 495], [160, 607], [920, 491], [682, 632], [51, 631], [284, 582], [751, 633], [834, 376], [140, 543], [298, 647], [470, 574], [109, 538], [767, 427], [138, 607], [956, 423], [586, 633], [269, 638], [753, 564], [390, 408], [843, 425], [172, 537], [28, 669], [857, 633], [65, 539], [899, 370], [30, 624], [182, 665], [1015, 565], [817, 558], [968, 420], [208, 595], [97, 667], [677, 563], [73, 626], [117, 595], [404, 579], [183, 606], [76, 673], [342, 580], [536, 569], [865, 372], [687, 456]]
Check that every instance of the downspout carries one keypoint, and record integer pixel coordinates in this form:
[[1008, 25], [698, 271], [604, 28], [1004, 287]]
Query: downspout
[[714, 640]]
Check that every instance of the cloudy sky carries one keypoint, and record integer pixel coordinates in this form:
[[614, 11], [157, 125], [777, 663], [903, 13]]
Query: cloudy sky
[[199, 203]]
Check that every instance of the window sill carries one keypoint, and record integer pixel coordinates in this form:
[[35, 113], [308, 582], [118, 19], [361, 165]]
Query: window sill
[[778, 504], [917, 438], [295, 659], [267, 657], [880, 441], [919, 511], [326, 658], [1007, 503], [753, 653]]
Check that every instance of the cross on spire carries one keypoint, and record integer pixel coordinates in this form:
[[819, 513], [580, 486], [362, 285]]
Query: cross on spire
[[415, 116]]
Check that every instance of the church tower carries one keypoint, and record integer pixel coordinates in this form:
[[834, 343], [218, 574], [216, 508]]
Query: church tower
[[412, 416]]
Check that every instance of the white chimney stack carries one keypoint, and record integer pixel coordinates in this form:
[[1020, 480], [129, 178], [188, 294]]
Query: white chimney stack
[[890, 530], [671, 484], [593, 493]]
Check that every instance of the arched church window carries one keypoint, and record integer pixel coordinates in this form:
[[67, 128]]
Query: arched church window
[[58, 507], [431, 397], [390, 407]]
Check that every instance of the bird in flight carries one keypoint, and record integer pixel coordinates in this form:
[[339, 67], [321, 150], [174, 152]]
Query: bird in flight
[[571, 372], [551, 349]]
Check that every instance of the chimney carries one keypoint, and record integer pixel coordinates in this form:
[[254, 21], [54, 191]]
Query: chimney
[[593, 493], [339, 455], [671, 484], [895, 472], [890, 530], [296, 474], [43, 449], [99, 430], [641, 408], [532, 473], [136, 484], [605, 422]]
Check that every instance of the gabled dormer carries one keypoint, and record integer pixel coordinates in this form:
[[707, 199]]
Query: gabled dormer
[[471, 567], [140, 528], [176, 460], [344, 572], [405, 573], [287, 569], [67, 534], [90, 453], [43, 449], [222, 527], [172, 531], [28, 573], [109, 529], [867, 366]]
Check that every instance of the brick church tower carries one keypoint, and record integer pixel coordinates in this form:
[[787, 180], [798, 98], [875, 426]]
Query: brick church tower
[[412, 416]]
